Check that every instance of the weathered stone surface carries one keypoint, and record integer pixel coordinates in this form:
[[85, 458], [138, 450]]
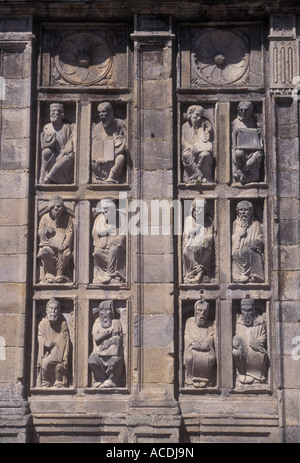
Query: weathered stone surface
[[157, 65]]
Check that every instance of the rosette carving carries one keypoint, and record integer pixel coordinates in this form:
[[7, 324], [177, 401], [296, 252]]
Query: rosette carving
[[84, 58], [220, 57]]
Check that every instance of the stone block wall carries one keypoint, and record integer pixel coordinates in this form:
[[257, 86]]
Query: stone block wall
[[98, 115]]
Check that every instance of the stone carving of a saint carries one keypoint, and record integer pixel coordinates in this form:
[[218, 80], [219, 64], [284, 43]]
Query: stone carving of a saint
[[56, 233], [53, 348], [57, 142], [197, 243], [107, 358], [247, 246], [108, 146], [249, 345], [109, 245], [199, 347], [197, 147], [247, 145]]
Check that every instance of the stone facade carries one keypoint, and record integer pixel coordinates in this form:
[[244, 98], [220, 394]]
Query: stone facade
[[124, 320]]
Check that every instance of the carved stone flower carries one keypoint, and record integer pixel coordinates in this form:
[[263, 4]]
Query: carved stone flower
[[84, 58], [220, 57]]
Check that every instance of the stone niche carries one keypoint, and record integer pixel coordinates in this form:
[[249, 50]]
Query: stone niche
[[251, 344], [199, 345], [56, 159], [53, 345], [108, 345]]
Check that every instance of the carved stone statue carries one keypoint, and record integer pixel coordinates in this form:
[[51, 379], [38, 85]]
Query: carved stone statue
[[57, 164], [249, 345], [247, 145], [54, 348], [107, 359], [109, 245], [197, 148], [199, 347], [247, 246], [108, 146], [56, 235], [198, 237]]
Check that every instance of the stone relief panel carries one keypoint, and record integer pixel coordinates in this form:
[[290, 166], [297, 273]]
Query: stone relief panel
[[57, 144], [54, 341], [198, 245], [249, 344], [83, 58], [200, 344], [108, 243], [247, 243], [197, 145], [220, 56], [283, 53], [55, 236], [106, 361], [109, 152], [247, 137], [91, 57]]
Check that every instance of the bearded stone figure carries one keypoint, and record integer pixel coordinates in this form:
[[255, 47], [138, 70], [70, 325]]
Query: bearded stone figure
[[247, 145], [56, 234], [199, 347], [107, 359], [57, 142], [108, 146], [54, 348], [249, 345], [247, 246]]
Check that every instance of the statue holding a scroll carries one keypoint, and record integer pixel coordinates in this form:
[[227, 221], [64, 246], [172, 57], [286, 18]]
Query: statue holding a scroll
[[108, 146], [247, 145]]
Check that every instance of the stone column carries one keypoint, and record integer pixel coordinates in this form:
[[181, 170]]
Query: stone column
[[15, 118], [153, 265]]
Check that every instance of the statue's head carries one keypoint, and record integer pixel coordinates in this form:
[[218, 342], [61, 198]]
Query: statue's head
[[248, 311], [244, 211], [56, 206], [106, 313], [201, 309], [245, 110], [56, 112], [53, 310], [106, 113], [195, 115], [198, 208]]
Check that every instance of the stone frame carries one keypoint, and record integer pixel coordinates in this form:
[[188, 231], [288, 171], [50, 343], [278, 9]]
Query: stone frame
[[69, 311]]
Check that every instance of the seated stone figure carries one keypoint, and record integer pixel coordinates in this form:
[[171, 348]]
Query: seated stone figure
[[247, 246], [109, 246], [57, 148], [199, 347], [106, 361], [197, 148], [108, 146], [56, 235], [249, 345], [54, 348], [247, 145], [198, 237]]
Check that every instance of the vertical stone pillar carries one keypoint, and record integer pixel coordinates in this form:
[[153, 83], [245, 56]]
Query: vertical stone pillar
[[153, 268], [15, 118], [284, 84]]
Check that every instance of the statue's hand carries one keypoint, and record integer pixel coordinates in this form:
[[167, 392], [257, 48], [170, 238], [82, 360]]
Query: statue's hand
[[49, 344]]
